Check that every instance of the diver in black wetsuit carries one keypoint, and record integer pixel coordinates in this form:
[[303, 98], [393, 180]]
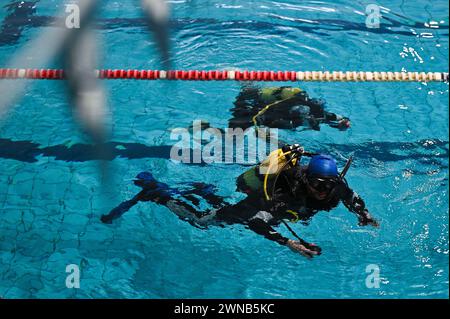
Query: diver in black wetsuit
[[282, 107], [293, 192]]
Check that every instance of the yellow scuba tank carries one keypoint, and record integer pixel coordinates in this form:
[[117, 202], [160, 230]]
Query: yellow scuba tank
[[272, 94], [287, 93], [256, 179]]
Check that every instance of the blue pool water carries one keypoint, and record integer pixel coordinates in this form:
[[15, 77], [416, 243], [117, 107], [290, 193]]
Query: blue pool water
[[51, 196]]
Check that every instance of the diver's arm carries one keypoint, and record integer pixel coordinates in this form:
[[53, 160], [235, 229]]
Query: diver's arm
[[259, 224], [336, 120], [356, 205], [319, 115], [329, 118], [120, 210]]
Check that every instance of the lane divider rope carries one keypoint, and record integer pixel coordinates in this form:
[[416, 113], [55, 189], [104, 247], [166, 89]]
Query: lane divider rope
[[215, 75]]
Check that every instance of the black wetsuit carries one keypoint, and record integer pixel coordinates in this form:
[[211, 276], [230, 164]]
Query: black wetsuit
[[288, 113], [290, 201]]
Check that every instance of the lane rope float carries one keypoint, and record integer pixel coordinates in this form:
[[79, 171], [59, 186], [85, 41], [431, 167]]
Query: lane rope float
[[216, 75]]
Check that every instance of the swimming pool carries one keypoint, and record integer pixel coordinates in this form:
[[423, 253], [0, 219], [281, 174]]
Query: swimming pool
[[51, 197]]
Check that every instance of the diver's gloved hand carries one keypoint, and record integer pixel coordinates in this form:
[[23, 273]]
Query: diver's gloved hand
[[304, 248], [344, 124], [367, 219]]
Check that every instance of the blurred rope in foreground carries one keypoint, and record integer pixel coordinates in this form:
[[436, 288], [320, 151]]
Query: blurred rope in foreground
[[77, 45], [79, 49]]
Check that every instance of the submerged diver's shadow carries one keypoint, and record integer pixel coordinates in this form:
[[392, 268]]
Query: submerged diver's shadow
[[428, 152]]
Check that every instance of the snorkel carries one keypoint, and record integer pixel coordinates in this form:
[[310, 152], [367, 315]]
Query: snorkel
[[346, 167]]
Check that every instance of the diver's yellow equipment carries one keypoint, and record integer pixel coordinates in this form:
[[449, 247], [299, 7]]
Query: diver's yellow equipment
[[273, 165], [295, 214], [274, 96], [258, 177], [263, 110], [295, 153], [281, 160], [271, 168]]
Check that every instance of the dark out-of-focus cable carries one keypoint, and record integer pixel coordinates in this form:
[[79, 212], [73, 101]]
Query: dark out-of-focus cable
[[86, 95], [79, 49], [157, 14], [39, 52]]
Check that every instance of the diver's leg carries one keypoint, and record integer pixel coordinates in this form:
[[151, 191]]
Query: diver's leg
[[184, 204], [205, 191], [178, 201], [152, 190]]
